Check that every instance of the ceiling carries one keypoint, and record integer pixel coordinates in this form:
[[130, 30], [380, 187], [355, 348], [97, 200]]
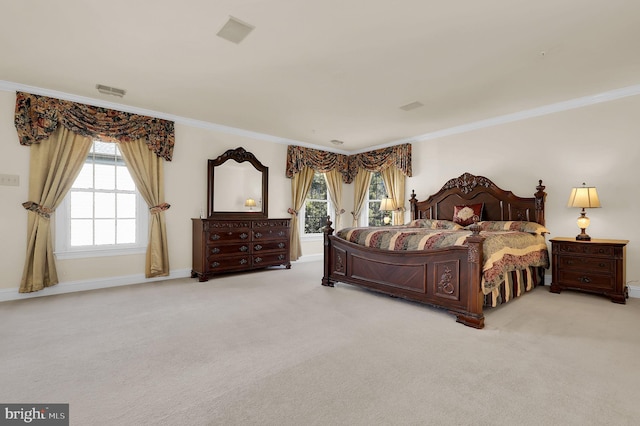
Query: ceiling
[[314, 71]]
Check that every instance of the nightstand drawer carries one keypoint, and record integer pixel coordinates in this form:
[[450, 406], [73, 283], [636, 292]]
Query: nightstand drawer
[[577, 279], [592, 264], [588, 249]]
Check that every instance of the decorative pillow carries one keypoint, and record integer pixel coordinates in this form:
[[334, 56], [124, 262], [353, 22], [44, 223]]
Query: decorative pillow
[[463, 215], [433, 224], [513, 225]]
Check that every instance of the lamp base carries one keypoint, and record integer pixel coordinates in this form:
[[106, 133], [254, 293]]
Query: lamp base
[[583, 237]]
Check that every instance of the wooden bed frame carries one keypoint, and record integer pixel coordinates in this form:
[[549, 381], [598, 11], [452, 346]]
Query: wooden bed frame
[[446, 278]]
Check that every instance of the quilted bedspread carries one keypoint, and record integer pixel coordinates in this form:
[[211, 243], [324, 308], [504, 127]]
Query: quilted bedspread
[[503, 251]]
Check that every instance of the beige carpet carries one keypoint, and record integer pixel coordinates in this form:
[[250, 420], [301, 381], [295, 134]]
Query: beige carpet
[[276, 348]]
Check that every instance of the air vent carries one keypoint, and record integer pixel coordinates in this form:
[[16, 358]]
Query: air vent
[[412, 105], [336, 142], [110, 90], [235, 30]]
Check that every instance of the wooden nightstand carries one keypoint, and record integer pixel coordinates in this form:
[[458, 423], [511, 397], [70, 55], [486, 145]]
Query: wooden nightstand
[[596, 266]]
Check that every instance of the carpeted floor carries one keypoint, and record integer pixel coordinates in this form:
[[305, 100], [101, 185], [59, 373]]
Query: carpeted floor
[[276, 348]]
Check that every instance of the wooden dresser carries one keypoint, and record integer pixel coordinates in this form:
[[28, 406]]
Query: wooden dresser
[[596, 266], [233, 245]]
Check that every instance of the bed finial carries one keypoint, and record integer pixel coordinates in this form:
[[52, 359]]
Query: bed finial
[[327, 229], [474, 227]]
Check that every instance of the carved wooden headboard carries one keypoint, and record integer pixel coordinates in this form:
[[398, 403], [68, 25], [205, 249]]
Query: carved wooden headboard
[[469, 189]]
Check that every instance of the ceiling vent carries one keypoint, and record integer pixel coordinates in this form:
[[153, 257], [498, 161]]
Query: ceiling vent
[[110, 90], [336, 142], [235, 30], [412, 105]]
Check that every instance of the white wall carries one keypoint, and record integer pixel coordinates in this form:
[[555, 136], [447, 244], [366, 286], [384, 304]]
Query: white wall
[[597, 144]]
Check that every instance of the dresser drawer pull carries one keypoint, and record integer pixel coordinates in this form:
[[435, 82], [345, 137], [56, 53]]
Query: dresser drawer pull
[[569, 262], [257, 259], [244, 248], [585, 280], [215, 264], [281, 233], [244, 236], [257, 247], [281, 245], [215, 237], [258, 234], [215, 250], [243, 261], [602, 265], [281, 257]]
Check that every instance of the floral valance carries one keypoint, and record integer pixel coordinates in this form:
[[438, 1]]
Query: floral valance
[[320, 161], [373, 161], [37, 117]]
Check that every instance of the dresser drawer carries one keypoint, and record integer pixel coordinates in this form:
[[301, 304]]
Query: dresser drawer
[[577, 279], [270, 259], [592, 264], [222, 236], [585, 248], [262, 234], [265, 246], [229, 263], [215, 250]]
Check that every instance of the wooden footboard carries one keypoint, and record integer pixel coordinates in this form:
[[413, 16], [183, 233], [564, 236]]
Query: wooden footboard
[[445, 278]]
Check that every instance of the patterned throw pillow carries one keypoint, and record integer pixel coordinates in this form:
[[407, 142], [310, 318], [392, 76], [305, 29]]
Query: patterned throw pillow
[[433, 224], [463, 215]]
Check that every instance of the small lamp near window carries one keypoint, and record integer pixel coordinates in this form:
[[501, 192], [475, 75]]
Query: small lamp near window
[[250, 202], [584, 197], [387, 205]]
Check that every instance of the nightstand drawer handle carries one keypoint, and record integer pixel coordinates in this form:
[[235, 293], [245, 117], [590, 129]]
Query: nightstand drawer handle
[[602, 265], [585, 280], [244, 248]]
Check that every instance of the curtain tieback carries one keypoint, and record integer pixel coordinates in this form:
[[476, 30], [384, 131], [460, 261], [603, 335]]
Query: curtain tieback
[[38, 209], [341, 211], [292, 211], [159, 208]]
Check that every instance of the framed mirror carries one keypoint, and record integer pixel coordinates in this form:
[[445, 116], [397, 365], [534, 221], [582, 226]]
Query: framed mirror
[[237, 186]]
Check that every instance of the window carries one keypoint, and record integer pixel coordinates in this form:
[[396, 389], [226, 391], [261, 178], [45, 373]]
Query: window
[[371, 214], [317, 207], [103, 213]]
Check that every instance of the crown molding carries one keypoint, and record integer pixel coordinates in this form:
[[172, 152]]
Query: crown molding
[[608, 96], [584, 101]]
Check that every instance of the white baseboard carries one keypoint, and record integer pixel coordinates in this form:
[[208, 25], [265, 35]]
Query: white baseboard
[[7, 294]]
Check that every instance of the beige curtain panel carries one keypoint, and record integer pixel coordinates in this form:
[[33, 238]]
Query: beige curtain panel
[[362, 181], [148, 173], [334, 185], [54, 165], [393, 179], [300, 186]]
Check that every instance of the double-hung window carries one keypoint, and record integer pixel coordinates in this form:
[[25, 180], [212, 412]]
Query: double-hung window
[[371, 213], [103, 213], [313, 215]]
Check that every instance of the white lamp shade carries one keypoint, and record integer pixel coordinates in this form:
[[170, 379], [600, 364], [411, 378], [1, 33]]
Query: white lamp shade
[[250, 202], [584, 197], [387, 205]]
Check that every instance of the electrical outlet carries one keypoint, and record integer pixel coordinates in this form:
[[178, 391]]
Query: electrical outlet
[[10, 180]]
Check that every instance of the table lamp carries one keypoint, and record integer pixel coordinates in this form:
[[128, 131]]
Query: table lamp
[[583, 197]]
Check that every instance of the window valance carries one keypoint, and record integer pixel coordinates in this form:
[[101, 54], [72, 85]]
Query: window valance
[[373, 161], [321, 161], [37, 117]]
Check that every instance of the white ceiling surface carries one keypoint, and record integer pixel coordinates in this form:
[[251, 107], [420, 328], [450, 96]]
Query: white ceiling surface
[[312, 71]]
